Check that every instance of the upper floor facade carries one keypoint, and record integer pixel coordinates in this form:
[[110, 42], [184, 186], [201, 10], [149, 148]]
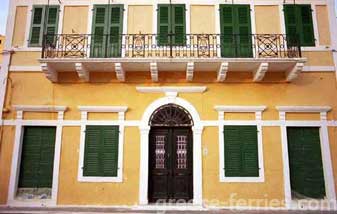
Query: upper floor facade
[[219, 36]]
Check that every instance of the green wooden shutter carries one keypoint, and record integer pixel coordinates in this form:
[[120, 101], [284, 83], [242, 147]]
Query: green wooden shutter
[[241, 151], [37, 158], [36, 26], [99, 31], [164, 24], [235, 24], [52, 23], [39, 18], [305, 162], [115, 30], [307, 34], [299, 24], [179, 28], [244, 31], [227, 31], [101, 151]]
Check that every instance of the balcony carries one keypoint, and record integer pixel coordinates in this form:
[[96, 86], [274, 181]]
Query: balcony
[[257, 53]]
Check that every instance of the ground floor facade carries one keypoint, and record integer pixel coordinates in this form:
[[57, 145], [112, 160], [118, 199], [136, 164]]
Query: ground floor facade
[[213, 145]]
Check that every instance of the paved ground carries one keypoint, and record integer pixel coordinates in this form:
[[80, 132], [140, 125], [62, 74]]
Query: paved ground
[[133, 211]]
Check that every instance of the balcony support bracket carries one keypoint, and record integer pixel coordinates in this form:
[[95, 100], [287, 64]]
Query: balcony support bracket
[[189, 71], [294, 72], [120, 73], [82, 72], [154, 71], [222, 72], [50, 72], [260, 72]]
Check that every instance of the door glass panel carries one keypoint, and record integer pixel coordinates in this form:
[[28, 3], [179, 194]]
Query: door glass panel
[[181, 152], [160, 152]]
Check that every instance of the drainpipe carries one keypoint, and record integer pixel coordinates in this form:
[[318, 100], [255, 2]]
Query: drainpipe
[[333, 30]]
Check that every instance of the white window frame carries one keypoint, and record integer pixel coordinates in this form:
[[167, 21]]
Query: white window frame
[[84, 123], [257, 122], [322, 124], [20, 123]]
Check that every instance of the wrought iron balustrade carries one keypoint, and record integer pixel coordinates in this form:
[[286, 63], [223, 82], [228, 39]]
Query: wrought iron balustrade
[[170, 46]]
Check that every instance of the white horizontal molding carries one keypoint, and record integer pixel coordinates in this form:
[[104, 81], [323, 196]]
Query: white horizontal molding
[[176, 89], [106, 109], [39, 108], [318, 69], [141, 2], [25, 68], [240, 108], [317, 48], [243, 179], [308, 109]]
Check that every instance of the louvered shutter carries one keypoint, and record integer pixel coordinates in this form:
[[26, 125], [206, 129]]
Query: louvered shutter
[[52, 24], [305, 162], [38, 21], [164, 24], [232, 151], [235, 23], [249, 151], [37, 157], [179, 29], [101, 151], [115, 30], [299, 24], [99, 31], [227, 31], [307, 33], [241, 151], [243, 25]]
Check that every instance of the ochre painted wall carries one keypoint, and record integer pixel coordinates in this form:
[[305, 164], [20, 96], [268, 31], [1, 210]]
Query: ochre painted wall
[[202, 19], [267, 19], [20, 26], [140, 19], [323, 24], [6, 149], [75, 19]]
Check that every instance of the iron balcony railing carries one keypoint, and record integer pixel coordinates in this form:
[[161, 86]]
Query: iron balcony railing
[[170, 46]]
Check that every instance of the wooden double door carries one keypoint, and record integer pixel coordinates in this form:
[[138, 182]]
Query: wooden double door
[[170, 165]]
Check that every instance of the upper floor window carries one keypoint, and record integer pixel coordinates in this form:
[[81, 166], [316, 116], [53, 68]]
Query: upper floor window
[[299, 24], [107, 29], [44, 21], [235, 24], [171, 20]]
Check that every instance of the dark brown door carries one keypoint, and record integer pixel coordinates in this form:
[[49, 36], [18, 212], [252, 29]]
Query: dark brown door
[[170, 165]]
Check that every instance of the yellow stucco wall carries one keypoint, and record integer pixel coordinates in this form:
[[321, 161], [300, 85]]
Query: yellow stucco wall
[[267, 19], [20, 26], [140, 19], [75, 19], [323, 24], [2, 45], [6, 148], [202, 19]]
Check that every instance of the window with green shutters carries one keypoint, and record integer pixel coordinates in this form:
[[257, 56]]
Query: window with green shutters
[[101, 151], [241, 151], [37, 157], [171, 19], [235, 24], [299, 24], [305, 162], [44, 21], [107, 30]]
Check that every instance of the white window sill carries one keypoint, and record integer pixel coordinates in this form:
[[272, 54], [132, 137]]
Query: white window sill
[[242, 179], [27, 49], [317, 48], [117, 179]]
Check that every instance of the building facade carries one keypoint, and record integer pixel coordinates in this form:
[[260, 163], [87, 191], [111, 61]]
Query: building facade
[[219, 104], [2, 42]]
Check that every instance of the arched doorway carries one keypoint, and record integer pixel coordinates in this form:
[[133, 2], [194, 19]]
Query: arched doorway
[[170, 155]]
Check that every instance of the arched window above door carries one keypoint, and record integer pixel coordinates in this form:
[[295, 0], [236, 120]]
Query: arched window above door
[[171, 115]]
